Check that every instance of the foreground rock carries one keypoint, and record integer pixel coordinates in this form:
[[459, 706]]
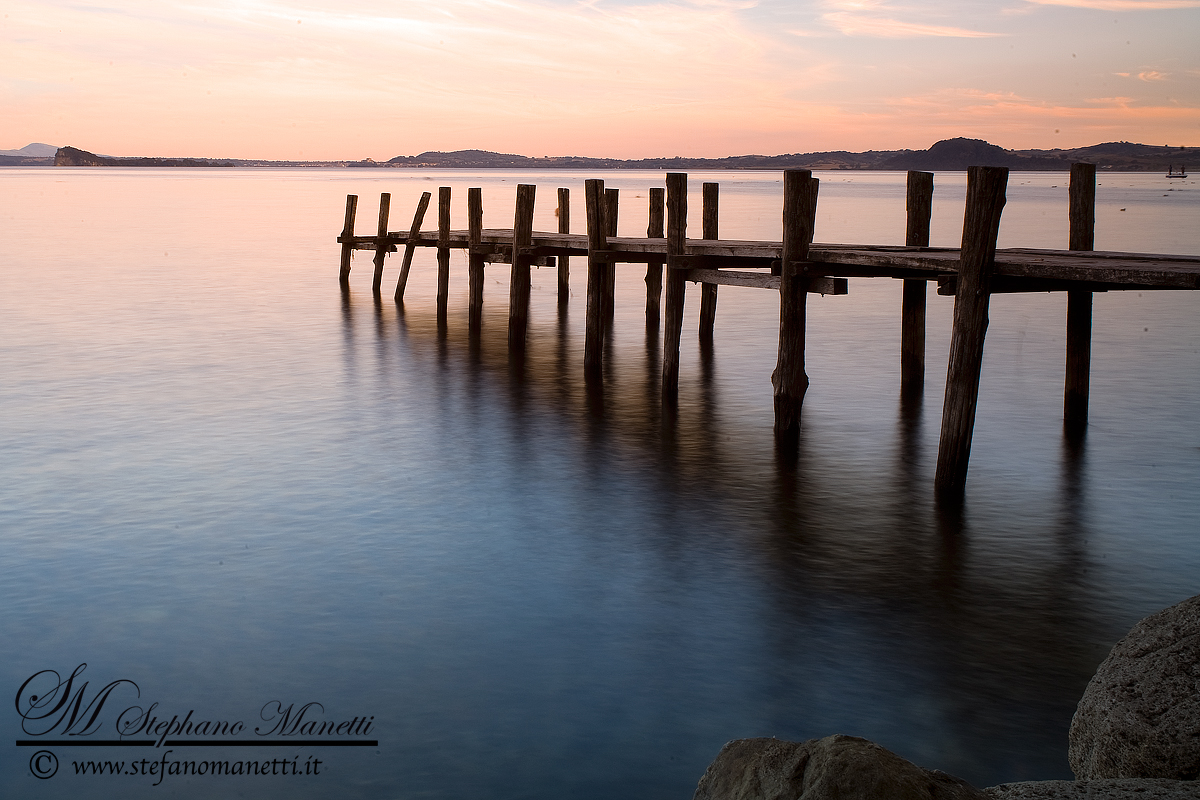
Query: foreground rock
[[833, 768], [1140, 715], [1112, 789]]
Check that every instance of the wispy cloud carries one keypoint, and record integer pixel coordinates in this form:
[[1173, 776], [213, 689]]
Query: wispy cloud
[[1152, 75], [852, 24], [877, 19], [1121, 5]]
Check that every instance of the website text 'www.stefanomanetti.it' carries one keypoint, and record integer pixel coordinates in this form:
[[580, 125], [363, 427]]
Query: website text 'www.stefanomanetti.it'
[[166, 766]]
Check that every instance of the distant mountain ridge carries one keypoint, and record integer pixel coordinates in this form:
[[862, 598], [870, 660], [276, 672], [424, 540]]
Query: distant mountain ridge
[[948, 154], [31, 155], [35, 150]]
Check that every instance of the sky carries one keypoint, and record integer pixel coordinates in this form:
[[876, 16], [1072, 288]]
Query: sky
[[298, 79]]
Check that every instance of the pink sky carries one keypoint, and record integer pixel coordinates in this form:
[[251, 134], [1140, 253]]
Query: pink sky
[[368, 78]]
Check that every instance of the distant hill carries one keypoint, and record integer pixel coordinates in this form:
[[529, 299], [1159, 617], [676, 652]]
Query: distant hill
[[35, 150], [33, 155], [74, 157], [948, 154]]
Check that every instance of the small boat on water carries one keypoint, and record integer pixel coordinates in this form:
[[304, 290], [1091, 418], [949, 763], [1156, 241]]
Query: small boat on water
[[1171, 173]]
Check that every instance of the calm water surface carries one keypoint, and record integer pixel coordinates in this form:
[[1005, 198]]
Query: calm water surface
[[228, 482]]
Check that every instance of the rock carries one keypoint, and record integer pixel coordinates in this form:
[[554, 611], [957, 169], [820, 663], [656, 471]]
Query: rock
[[1101, 789], [1140, 715], [833, 768]]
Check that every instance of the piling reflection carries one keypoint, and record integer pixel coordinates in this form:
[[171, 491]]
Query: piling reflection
[[998, 640]]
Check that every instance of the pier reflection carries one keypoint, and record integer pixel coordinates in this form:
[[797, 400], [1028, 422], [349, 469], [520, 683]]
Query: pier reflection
[[978, 614]]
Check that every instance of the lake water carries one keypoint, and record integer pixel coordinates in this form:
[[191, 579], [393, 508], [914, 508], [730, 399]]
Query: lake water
[[231, 485]]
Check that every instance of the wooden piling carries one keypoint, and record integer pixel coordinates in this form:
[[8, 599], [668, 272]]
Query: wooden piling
[[475, 260], [347, 233], [789, 378], [414, 233], [593, 346], [654, 269], [564, 263], [518, 292], [612, 199], [443, 251], [1082, 215], [985, 202], [676, 286], [381, 247], [919, 206], [708, 291]]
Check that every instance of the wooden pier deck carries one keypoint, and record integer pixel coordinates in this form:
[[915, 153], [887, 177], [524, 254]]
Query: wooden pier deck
[[1021, 269], [794, 267]]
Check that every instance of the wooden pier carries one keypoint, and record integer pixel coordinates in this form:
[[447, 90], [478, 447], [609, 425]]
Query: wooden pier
[[794, 266]]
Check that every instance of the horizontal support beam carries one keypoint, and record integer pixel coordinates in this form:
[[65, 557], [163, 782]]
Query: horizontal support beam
[[764, 280]]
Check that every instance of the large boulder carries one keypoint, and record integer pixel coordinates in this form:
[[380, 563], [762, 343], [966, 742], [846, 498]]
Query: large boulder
[[1140, 715], [1102, 789], [833, 768]]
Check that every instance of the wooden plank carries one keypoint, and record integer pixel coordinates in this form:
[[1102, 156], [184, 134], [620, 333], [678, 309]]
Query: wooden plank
[[764, 280], [708, 291], [347, 234], [919, 208], [443, 252], [612, 199], [654, 269], [593, 346], [475, 261], [564, 262], [381, 248], [675, 288], [985, 201], [1124, 268], [519, 283], [413, 234], [1082, 216], [505, 257], [789, 379]]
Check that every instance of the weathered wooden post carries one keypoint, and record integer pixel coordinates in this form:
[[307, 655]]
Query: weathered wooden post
[[564, 262], [612, 199], [1079, 302], [593, 346], [414, 233], [789, 378], [985, 201], [475, 260], [518, 291], [676, 286], [654, 269], [381, 246], [919, 206], [708, 291], [443, 251], [347, 234]]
